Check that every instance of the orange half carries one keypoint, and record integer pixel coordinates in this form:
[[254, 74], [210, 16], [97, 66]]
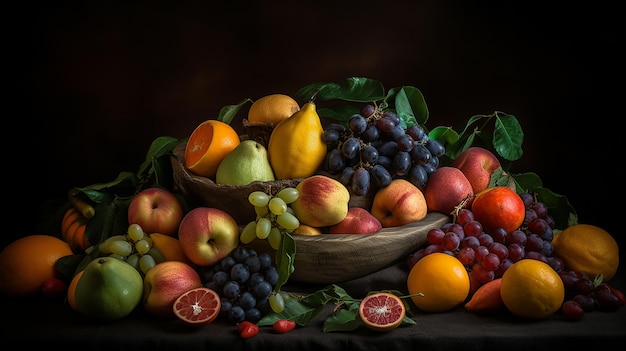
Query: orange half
[[208, 144]]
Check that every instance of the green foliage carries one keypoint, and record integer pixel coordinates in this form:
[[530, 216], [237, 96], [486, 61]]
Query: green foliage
[[344, 315]]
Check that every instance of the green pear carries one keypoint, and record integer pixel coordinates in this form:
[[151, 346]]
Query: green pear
[[245, 164], [108, 289]]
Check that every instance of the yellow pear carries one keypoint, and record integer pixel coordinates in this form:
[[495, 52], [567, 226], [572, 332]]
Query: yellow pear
[[296, 147]]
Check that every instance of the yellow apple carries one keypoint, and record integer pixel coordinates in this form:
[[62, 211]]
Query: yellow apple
[[323, 201]]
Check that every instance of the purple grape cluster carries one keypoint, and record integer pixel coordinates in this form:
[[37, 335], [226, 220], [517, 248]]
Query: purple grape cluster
[[583, 295], [244, 280], [374, 148]]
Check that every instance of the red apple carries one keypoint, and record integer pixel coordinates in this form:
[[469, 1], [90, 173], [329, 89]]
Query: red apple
[[164, 283], [207, 235], [477, 164], [447, 188], [357, 221], [399, 203], [156, 210], [323, 201]]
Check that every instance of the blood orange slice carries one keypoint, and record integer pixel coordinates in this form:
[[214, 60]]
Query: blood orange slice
[[197, 307], [382, 311]]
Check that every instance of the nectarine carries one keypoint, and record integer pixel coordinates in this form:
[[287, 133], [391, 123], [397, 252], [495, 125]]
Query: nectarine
[[399, 203], [447, 188], [477, 164]]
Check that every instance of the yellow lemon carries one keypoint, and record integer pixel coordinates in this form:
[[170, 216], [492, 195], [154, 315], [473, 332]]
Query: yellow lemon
[[532, 289], [587, 248]]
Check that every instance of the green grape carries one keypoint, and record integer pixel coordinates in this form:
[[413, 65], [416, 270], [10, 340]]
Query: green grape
[[142, 246], [135, 232], [275, 238], [146, 262], [157, 255], [277, 206], [277, 303], [263, 227], [258, 198], [133, 260], [289, 194], [288, 221], [119, 247], [248, 233], [102, 248], [290, 210], [121, 258], [261, 211]]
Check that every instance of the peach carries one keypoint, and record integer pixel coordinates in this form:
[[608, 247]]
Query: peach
[[323, 201], [164, 283], [477, 164], [207, 235], [447, 188], [399, 203], [357, 221]]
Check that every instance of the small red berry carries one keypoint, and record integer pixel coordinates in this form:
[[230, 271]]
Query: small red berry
[[247, 329], [282, 326]]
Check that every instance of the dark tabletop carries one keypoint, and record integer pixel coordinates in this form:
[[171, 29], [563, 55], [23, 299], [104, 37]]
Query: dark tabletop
[[55, 324]]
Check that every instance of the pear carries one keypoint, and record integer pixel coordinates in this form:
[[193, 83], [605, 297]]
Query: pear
[[109, 289], [246, 163]]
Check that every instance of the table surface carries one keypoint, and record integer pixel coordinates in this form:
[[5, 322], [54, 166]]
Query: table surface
[[55, 324]]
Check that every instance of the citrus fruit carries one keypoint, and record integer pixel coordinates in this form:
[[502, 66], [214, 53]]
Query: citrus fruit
[[443, 281], [272, 109], [26, 263], [382, 311], [169, 246], [197, 307], [532, 289], [499, 206], [71, 290], [587, 248], [207, 146]]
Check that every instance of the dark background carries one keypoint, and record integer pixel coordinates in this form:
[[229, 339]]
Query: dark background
[[92, 84]]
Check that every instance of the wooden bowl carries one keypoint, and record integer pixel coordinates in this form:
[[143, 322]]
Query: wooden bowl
[[320, 259]]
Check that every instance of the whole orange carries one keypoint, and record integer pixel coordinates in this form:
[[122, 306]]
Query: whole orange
[[532, 289], [71, 290], [587, 248], [443, 281], [499, 206], [207, 146], [27, 262], [272, 109]]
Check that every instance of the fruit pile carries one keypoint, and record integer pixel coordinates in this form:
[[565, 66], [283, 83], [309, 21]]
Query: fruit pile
[[370, 165]]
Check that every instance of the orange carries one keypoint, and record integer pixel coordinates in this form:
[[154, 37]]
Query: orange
[[207, 146], [197, 307], [27, 262], [169, 246], [272, 109], [587, 248], [382, 311], [499, 206], [71, 291], [532, 289], [443, 281]]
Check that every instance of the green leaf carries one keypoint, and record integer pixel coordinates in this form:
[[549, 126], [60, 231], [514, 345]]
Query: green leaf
[[296, 310], [410, 105], [508, 137], [285, 256], [228, 112], [340, 113], [124, 185], [159, 147], [355, 89], [342, 320]]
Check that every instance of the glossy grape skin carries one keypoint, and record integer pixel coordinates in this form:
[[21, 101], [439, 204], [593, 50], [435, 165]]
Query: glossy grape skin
[[369, 154], [380, 176], [350, 148], [360, 181], [334, 161], [346, 176], [418, 176], [420, 154], [368, 110], [402, 163], [572, 310], [436, 148], [416, 132], [357, 124]]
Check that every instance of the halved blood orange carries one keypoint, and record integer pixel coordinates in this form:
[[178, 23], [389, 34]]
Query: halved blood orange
[[198, 307], [207, 146], [382, 311]]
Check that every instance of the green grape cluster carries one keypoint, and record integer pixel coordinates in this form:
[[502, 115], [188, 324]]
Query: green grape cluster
[[134, 247], [274, 217]]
